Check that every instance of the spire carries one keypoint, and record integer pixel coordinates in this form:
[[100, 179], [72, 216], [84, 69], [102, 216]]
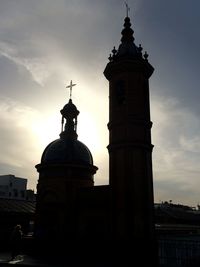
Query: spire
[[69, 113], [127, 32], [127, 49], [128, 54]]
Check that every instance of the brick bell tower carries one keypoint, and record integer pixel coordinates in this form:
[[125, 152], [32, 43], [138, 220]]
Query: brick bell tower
[[130, 149]]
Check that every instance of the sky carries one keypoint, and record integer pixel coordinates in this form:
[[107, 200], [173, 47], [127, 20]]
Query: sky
[[44, 44]]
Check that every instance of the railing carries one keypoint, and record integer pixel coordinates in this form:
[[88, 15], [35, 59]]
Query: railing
[[179, 253]]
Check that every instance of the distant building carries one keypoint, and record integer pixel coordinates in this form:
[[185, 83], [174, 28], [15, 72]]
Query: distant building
[[12, 187], [176, 218], [17, 206]]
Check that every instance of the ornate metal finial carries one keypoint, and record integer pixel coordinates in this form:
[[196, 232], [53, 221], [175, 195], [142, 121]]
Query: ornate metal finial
[[127, 8], [110, 57], [146, 56], [140, 50], [70, 86], [114, 51]]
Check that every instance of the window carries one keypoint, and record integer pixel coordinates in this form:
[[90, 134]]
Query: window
[[15, 192], [22, 193], [120, 91]]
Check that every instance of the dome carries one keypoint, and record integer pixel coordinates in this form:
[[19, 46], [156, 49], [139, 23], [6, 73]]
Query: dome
[[67, 151]]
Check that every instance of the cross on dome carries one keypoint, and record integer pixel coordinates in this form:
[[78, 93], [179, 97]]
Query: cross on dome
[[70, 86]]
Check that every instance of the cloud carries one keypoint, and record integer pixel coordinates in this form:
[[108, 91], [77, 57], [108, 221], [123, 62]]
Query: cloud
[[176, 191], [40, 68], [17, 141], [176, 153], [190, 144]]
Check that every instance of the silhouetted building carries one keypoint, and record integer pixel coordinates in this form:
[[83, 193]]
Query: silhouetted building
[[66, 167], [118, 217], [130, 146], [12, 187]]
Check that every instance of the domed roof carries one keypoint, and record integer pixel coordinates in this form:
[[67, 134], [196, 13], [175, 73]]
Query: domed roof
[[67, 151]]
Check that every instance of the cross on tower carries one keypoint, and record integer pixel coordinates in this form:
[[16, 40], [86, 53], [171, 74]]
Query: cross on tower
[[127, 8], [70, 86]]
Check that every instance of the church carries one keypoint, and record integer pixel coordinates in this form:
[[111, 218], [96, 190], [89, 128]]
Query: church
[[114, 221]]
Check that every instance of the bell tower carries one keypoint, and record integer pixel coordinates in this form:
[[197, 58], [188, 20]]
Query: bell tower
[[130, 148]]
